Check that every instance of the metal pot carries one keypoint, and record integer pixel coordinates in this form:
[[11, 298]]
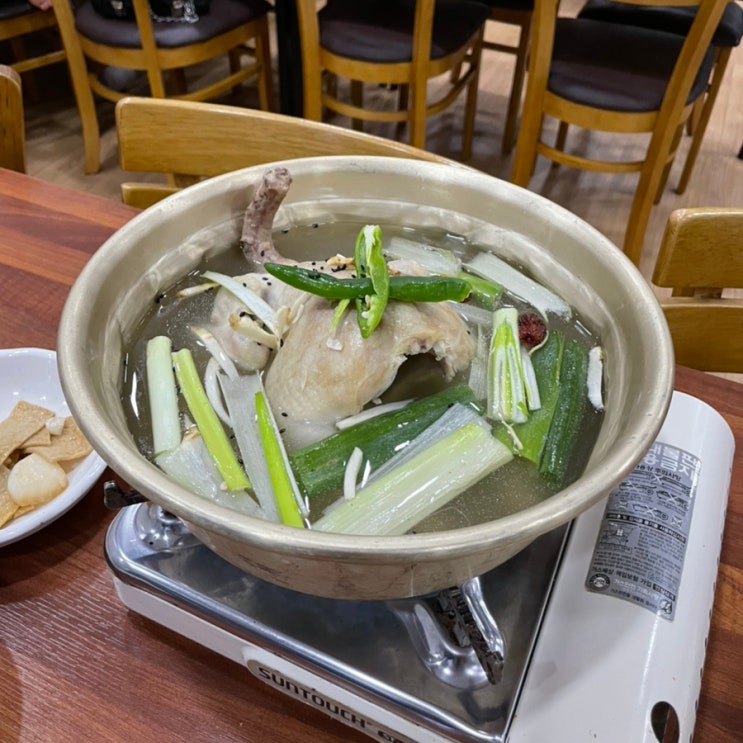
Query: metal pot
[[166, 241]]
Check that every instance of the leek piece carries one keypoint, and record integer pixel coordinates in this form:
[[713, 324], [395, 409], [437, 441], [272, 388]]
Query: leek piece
[[518, 284], [319, 467], [239, 395], [507, 400], [478, 377], [261, 309], [207, 421], [192, 466], [435, 260], [284, 487], [163, 395], [426, 476]]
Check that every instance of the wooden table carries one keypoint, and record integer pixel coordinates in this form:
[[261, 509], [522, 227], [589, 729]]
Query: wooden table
[[75, 665]]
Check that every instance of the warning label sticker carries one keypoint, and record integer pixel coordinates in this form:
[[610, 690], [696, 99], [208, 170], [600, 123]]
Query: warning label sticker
[[640, 549]]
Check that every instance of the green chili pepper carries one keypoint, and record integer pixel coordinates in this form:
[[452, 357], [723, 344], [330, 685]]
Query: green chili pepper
[[318, 282], [370, 263], [428, 289], [402, 288]]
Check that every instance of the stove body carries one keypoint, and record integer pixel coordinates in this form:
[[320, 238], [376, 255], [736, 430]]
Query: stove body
[[603, 624]]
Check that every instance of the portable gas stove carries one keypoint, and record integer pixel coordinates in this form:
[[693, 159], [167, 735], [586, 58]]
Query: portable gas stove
[[596, 631]]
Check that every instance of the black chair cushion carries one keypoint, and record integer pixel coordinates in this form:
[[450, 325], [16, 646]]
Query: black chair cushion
[[382, 30], [223, 16], [510, 4], [616, 67], [664, 18], [15, 8]]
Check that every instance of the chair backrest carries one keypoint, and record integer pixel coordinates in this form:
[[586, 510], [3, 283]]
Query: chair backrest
[[403, 47], [198, 140], [235, 30], [701, 260], [18, 19], [12, 132], [553, 92]]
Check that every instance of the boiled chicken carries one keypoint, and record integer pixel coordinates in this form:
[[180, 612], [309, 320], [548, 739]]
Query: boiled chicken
[[317, 376]]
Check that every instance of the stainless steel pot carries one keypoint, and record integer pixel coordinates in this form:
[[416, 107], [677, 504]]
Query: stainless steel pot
[[163, 243]]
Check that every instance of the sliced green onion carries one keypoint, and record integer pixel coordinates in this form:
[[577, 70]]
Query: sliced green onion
[[435, 260], [215, 349], [452, 454], [163, 396], [261, 309], [286, 491], [485, 293], [208, 423], [370, 413], [214, 392], [351, 474], [596, 377], [519, 285], [531, 387], [192, 291]]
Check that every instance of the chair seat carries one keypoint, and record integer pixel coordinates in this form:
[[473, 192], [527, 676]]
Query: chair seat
[[15, 8], [664, 18], [382, 31], [223, 16], [509, 4], [615, 67]]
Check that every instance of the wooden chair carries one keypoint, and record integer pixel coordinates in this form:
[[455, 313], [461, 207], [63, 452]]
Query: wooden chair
[[12, 137], [701, 255], [516, 13], [406, 44], [614, 78], [189, 140], [19, 18], [233, 28], [726, 37]]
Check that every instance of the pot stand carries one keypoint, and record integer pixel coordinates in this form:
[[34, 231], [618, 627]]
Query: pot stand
[[596, 630]]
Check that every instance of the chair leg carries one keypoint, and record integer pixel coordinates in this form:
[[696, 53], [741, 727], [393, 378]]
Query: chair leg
[[468, 132], [403, 100], [266, 95], [180, 85], [357, 99], [18, 50], [700, 126], [417, 114], [517, 86], [669, 164], [651, 177], [157, 86]]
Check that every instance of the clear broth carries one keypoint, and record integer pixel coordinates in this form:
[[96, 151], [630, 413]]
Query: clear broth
[[509, 489]]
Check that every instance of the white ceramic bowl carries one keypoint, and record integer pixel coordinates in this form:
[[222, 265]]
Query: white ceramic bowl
[[166, 241], [30, 374]]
